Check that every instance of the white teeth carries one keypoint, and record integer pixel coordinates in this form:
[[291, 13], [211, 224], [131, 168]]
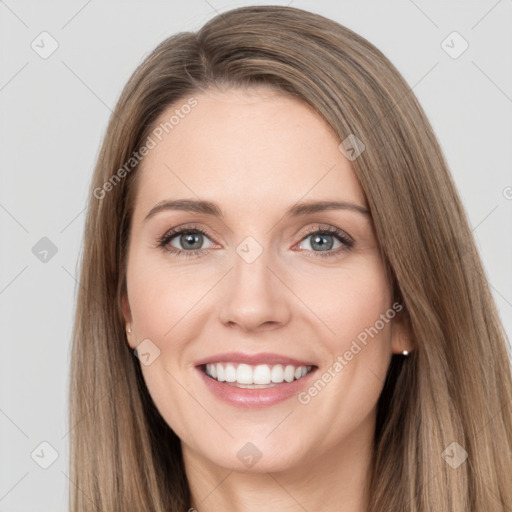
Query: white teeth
[[277, 373], [231, 373], [243, 374], [261, 374], [289, 373]]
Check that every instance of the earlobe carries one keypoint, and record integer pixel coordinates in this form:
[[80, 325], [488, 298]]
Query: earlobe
[[127, 316], [401, 336]]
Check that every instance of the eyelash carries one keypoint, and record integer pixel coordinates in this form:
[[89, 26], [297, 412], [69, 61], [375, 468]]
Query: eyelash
[[169, 235]]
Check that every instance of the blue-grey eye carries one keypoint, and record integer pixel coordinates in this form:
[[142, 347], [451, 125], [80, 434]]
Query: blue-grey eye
[[320, 242], [191, 240]]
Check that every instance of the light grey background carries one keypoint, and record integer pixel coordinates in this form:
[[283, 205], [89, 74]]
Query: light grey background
[[54, 114]]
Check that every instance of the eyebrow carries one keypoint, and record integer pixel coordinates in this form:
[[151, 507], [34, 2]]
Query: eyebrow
[[211, 208]]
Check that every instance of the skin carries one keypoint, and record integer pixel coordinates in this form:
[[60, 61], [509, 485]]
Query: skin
[[256, 153]]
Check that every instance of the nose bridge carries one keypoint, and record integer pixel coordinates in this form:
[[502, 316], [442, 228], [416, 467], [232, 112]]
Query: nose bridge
[[253, 295]]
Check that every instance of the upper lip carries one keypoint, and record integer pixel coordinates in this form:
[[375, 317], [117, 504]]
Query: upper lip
[[253, 359]]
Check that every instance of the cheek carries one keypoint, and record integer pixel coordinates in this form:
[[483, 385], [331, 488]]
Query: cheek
[[161, 296], [161, 302], [355, 312], [356, 306], [347, 301]]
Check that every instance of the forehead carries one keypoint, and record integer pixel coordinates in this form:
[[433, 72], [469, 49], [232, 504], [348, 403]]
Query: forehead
[[248, 149]]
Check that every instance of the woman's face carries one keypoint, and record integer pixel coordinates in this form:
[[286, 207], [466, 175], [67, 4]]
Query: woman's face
[[277, 285]]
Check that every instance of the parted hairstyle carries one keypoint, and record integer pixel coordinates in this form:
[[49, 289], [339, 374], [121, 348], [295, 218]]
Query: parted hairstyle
[[456, 384]]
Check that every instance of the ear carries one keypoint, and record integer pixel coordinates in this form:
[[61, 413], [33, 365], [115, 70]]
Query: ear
[[127, 317], [401, 334], [125, 307]]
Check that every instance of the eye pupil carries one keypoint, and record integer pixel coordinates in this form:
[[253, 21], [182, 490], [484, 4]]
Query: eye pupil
[[319, 241], [189, 239]]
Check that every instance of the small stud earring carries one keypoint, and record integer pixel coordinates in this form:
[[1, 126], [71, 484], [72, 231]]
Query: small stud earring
[[129, 329], [405, 353]]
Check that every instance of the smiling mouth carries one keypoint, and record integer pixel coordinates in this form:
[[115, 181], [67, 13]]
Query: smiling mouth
[[259, 376]]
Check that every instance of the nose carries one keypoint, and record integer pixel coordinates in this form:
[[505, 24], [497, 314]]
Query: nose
[[254, 298]]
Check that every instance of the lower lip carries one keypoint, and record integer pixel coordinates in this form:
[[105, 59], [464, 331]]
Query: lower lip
[[247, 398]]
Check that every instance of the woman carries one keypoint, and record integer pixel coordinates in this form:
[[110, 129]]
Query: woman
[[281, 304]]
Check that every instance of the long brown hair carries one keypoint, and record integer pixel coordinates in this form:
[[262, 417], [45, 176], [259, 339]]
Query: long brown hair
[[455, 387]]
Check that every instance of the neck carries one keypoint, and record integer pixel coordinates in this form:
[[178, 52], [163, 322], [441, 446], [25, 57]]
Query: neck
[[334, 480]]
